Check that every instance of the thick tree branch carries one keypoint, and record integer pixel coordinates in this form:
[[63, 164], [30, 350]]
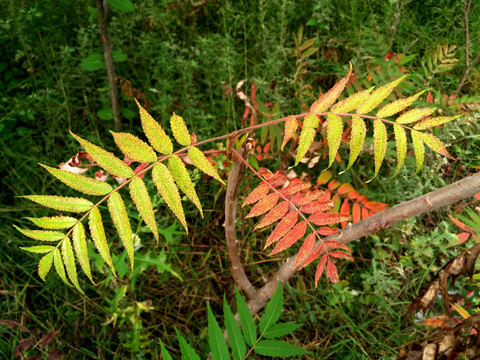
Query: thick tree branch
[[447, 195]]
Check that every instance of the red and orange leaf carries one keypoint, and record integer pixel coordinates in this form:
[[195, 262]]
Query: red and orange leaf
[[326, 231], [460, 224], [258, 193], [340, 255], [312, 257], [264, 205], [462, 237], [291, 125], [334, 184], [317, 206], [274, 215], [356, 212], [282, 228], [320, 268], [320, 218], [324, 178], [327, 195], [326, 100], [433, 322], [307, 246], [277, 180], [306, 197], [345, 189], [365, 213], [295, 186], [352, 195], [333, 244], [332, 272], [291, 238], [345, 210]]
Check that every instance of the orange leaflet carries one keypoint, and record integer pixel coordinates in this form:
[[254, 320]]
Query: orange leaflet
[[326, 231], [312, 256], [345, 189], [340, 255], [345, 210], [291, 238], [274, 215], [332, 272], [307, 246], [335, 245], [258, 193], [278, 179], [264, 205], [317, 206], [356, 212], [295, 186], [320, 218], [320, 268], [306, 197], [282, 228]]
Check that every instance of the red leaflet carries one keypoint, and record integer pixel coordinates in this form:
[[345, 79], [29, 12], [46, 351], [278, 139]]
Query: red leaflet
[[353, 195], [462, 237], [336, 245], [332, 272], [306, 197], [326, 231], [320, 268], [365, 213], [320, 218], [278, 179], [274, 215], [345, 210], [327, 195], [264, 205], [282, 228], [317, 206], [295, 186], [460, 224], [307, 246], [265, 173], [291, 238], [333, 184], [258, 193], [340, 255], [315, 253], [356, 212], [345, 189]]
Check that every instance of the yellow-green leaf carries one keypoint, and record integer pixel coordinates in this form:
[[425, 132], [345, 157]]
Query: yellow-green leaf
[[352, 102], [169, 192], [54, 222], [182, 178], [398, 105], [62, 203], [179, 130], [43, 235], [81, 183], [334, 136], [435, 144], [291, 125], [378, 96], [357, 138], [45, 265], [98, 235], [106, 159], [139, 194], [309, 129], [59, 268], [401, 144], [80, 246], [119, 216], [379, 144], [326, 100], [134, 148], [431, 122], [418, 148], [41, 249], [69, 261], [154, 132], [202, 163], [415, 115]]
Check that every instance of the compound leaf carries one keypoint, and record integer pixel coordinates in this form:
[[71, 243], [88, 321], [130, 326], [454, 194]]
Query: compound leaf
[[62, 203], [45, 265], [379, 144], [134, 148], [401, 144], [418, 148], [291, 238], [179, 130], [273, 310], [246, 318], [352, 102], [398, 105], [217, 343], [119, 215], [42, 235], [237, 343], [359, 131], [378, 96], [326, 100], [40, 249], [431, 122], [415, 115], [202, 163], [141, 199], [291, 125], [334, 136], [54, 222], [98, 235], [310, 125], [80, 247], [59, 268], [69, 260]]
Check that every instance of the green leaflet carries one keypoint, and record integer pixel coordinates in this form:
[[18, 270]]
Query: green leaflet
[[45, 264], [154, 132], [57, 261], [419, 149], [428, 123], [187, 351], [379, 144], [81, 183], [309, 129], [62, 203], [40, 249], [182, 178], [357, 138], [277, 348], [273, 310], [139, 194], [277, 330], [165, 354], [54, 222], [326, 100], [239, 350], [69, 260], [217, 343], [352, 102], [179, 130], [106, 159], [334, 136], [202, 163], [398, 105], [122, 224], [42, 235], [80, 246], [246, 318], [134, 148], [435, 144], [98, 236], [378, 96], [415, 115], [401, 144], [168, 191]]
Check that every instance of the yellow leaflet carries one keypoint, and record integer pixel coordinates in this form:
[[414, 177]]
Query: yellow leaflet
[[45, 264], [54, 222], [309, 129], [334, 136], [291, 125], [397, 106], [62, 203], [69, 260], [134, 148], [435, 144], [352, 102], [57, 261], [378, 96], [81, 183], [80, 246], [179, 130], [139, 194], [168, 191], [326, 100], [418, 148], [41, 249], [401, 144], [428, 123], [415, 115], [202, 163], [359, 131], [121, 222], [379, 144], [42, 235], [98, 235], [154, 132], [182, 178], [106, 159]]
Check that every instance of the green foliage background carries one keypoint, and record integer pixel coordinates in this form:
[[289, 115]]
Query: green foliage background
[[184, 55]]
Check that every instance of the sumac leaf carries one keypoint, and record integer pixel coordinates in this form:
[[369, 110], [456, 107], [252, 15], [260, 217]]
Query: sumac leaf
[[291, 125], [334, 136], [435, 144], [306, 247], [119, 215], [274, 215], [431, 122], [42, 235], [332, 271], [282, 227], [45, 265], [141, 199], [179, 130], [418, 148], [201, 162], [326, 100], [320, 268], [317, 206], [80, 247], [359, 131], [69, 260], [321, 218], [352, 102], [98, 235], [398, 105], [379, 144], [54, 222], [258, 193], [291, 238], [378, 96], [134, 148], [401, 144], [309, 129], [415, 115], [62, 203], [264, 205]]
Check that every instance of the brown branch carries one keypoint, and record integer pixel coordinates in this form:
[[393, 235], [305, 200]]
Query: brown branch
[[447, 195], [107, 54]]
